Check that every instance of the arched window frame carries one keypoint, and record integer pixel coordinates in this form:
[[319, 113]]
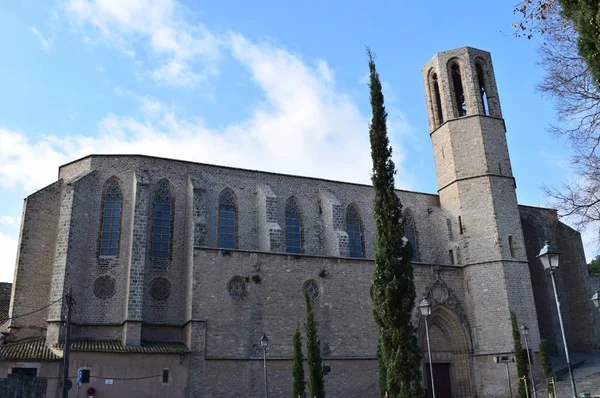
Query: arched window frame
[[227, 229], [294, 231], [459, 94], [483, 86], [411, 233], [111, 217], [354, 229], [435, 99], [162, 221]]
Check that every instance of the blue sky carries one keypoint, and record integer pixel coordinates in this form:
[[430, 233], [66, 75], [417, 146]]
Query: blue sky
[[270, 85]]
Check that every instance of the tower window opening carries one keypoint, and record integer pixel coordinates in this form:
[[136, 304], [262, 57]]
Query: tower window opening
[[511, 246], [439, 116], [459, 92], [460, 225], [451, 254], [482, 91]]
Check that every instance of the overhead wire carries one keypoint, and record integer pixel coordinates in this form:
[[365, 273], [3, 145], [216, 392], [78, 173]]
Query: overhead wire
[[3, 320]]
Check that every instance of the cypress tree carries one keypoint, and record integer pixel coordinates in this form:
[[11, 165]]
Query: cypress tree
[[520, 355], [316, 384], [297, 367], [585, 15], [398, 354]]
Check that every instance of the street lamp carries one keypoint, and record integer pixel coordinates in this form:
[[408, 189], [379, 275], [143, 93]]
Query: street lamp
[[596, 299], [425, 308], [264, 342], [525, 331], [550, 257]]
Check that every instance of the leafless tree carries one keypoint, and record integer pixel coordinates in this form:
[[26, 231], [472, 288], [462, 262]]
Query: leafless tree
[[569, 83]]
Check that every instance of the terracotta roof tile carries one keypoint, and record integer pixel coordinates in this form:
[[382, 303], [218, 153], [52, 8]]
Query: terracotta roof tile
[[37, 348], [147, 347], [30, 349]]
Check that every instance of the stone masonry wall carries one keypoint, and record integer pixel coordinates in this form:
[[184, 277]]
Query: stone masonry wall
[[575, 286], [35, 255]]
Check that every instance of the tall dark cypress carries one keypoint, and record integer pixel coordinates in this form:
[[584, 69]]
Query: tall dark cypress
[[394, 294], [297, 367], [316, 384]]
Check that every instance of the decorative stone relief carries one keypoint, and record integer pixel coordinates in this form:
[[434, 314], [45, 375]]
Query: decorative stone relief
[[105, 287], [236, 287], [160, 288], [143, 177], [439, 293], [311, 288]]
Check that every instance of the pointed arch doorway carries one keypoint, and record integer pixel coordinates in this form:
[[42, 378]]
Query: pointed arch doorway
[[450, 354]]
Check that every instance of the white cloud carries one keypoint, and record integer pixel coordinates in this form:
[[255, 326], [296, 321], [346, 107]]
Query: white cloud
[[181, 47], [8, 246], [46, 44], [304, 126], [8, 221]]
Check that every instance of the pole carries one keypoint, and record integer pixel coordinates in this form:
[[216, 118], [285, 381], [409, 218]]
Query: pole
[[509, 383], [530, 367], [69, 301], [265, 367], [562, 330], [430, 364], [524, 378]]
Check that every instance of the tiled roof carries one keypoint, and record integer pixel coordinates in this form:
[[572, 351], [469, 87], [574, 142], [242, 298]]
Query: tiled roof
[[147, 347], [37, 348], [30, 349]]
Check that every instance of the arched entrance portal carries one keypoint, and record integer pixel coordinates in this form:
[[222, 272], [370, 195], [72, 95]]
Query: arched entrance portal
[[450, 354]]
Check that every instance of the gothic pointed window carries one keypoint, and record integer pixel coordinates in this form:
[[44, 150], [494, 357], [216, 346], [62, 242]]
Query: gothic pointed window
[[111, 219], [410, 233], [227, 220], [438, 116], [354, 230], [482, 89], [162, 221], [459, 92], [293, 227]]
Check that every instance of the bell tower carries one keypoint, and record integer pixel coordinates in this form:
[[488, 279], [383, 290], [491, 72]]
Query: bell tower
[[477, 194]]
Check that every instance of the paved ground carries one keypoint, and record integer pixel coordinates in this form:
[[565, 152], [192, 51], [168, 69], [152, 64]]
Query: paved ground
[[586, 371]]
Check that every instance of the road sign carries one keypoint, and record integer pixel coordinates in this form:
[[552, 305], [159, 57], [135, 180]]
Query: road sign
[[69, 384]]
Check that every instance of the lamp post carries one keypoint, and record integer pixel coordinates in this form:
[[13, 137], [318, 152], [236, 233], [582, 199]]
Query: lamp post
[[525, 331], [425, 308], [550, 256], [264, 342], [596, 299]]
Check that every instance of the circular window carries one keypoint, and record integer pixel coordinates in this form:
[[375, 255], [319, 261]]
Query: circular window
[[311, 288], [105, 287], [160, 288], [236, 287]]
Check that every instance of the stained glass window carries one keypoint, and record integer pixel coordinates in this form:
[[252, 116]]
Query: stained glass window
[[227, 218], [293, 227], [411, 234], [111, 219], [353, 228], [161, 230]]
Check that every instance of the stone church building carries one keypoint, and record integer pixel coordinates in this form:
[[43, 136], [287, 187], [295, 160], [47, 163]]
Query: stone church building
[[177, 268]]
